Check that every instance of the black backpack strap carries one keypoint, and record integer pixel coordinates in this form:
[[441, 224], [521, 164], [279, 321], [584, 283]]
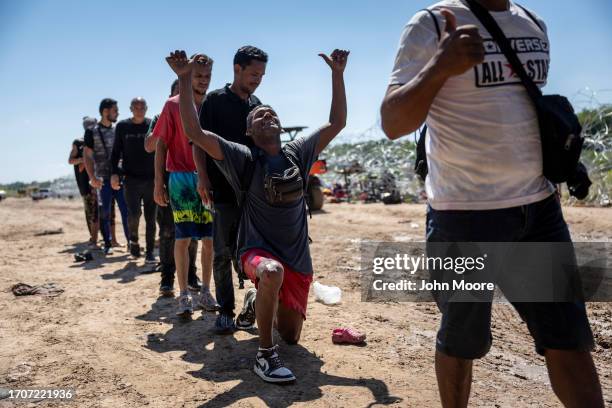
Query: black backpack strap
[[420, 165], [531, 16], [435, 20], [247, 176], [102, 141], [294, 160]]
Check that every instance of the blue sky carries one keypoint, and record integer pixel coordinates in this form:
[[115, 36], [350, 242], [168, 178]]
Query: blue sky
[[59, 58]]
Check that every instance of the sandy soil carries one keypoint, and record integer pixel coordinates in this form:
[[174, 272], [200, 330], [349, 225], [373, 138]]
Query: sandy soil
[[110, 337]]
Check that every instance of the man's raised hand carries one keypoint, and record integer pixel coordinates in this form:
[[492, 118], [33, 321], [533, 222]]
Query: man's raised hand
[[337, 60], [179, 62], [460, 48]]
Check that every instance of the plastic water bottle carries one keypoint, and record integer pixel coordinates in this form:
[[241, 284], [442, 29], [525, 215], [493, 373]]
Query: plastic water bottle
[[329, 295]]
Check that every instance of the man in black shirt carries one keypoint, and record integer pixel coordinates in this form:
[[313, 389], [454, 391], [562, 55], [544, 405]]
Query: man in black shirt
[[224, 112], [139, 172], [90, 202]]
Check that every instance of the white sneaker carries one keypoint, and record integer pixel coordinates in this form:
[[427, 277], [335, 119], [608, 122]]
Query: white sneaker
[[185, 306], [270, 367]]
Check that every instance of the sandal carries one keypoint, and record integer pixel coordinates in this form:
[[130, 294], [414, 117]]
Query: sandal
[[347, 335]]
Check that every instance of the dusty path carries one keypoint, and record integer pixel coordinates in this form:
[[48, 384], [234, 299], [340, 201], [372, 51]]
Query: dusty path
[[112, 339]]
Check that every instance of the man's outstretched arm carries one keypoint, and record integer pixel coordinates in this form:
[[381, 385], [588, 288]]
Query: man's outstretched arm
[[337, 115], [206, 140]]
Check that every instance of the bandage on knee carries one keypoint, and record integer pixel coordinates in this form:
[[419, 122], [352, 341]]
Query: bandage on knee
[[266, 265]]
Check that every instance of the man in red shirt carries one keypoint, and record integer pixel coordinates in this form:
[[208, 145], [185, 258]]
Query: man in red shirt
[[192, 218]]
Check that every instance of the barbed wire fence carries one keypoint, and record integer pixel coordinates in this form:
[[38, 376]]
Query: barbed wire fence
[[375, 157]]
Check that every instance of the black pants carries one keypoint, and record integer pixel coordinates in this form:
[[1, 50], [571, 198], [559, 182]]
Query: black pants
[[226, 222], [139, 192], [166, 244]]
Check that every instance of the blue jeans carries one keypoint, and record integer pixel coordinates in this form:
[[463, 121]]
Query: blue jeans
[[465, 328], [105, 200]]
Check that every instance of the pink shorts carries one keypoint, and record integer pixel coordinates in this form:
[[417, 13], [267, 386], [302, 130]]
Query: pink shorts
[[294, 290]]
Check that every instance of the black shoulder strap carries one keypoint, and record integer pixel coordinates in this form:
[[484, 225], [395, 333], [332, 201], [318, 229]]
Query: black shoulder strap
[[435, 20], [421, 163], [489, 22], [531, 16], [247, 175], [294, 160], [102, 141]]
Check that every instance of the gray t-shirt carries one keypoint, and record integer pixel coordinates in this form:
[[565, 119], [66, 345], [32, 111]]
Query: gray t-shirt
[[281, 230], [101, 139]]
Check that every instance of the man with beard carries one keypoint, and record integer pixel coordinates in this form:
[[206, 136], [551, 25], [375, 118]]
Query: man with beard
[[98, 150], [224, 113]]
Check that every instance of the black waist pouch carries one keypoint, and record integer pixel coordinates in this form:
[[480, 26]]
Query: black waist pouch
[[284, 188]]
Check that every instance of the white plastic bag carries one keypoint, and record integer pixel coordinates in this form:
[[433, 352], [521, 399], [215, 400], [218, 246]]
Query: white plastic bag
[[329, 295]]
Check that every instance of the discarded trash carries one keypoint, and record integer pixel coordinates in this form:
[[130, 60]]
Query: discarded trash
[[48, 289], [347, 335], [329, 295], [49, 232]]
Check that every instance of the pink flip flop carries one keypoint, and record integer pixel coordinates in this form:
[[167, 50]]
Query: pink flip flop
[[347, 335]]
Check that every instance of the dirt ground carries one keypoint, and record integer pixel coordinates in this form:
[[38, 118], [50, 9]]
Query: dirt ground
[[117, 344]]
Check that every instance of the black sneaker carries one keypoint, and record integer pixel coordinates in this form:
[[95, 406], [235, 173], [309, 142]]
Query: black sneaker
[[108, 250], [270, 367], [224, 324], [134, 249], [246, 318], [241, 275], [166, 286], [194, 284], [150, 259]]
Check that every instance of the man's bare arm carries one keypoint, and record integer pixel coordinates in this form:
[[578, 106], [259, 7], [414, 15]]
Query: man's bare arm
[[88, 160], [206, 140], [405, 107], [72, 159], [150, 143], [337, 115], [151, 139], [160, 193], [199, 157], [89, 167]]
